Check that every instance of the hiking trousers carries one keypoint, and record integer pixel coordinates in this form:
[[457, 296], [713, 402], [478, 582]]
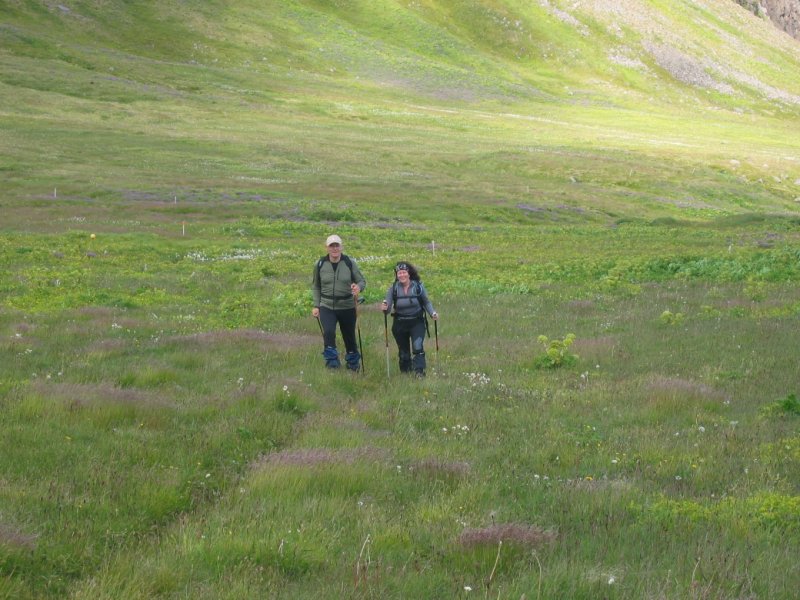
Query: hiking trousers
[[409, 333], [346, 318]]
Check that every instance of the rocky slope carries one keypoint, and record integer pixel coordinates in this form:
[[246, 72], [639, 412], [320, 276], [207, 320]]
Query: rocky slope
[[785, 14]]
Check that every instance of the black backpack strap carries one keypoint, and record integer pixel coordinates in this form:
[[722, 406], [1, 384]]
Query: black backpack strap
[[349, 264]]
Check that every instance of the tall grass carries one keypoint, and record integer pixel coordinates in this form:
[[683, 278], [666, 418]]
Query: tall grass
[[190, 442]]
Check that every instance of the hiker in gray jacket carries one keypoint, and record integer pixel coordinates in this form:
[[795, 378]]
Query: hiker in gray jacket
[[408, 297], [335, 286]]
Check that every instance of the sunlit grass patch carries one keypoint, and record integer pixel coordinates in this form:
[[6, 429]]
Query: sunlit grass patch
[[788, 406], [153, 376], [221, 552], [770, 511]]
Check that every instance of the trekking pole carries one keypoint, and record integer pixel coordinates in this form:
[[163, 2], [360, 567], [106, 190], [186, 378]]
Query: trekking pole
[[358, 329], [320, 327], [386, 339], [436, 333]]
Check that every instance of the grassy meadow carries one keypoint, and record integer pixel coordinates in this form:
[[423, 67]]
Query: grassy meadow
[[169, 174]]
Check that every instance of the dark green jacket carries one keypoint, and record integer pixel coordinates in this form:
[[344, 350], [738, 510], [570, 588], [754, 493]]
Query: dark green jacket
[[331, 288]]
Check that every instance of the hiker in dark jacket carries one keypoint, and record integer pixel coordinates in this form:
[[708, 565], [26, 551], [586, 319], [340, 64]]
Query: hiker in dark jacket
[[408, 297], [336, 283]]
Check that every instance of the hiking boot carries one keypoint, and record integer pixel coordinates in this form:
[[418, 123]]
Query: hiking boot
[[331, 356], [353, 360], [404, 361], [418, 362]]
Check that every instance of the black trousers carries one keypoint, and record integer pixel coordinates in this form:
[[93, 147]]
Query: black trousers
[[346, 319], [410, 337]]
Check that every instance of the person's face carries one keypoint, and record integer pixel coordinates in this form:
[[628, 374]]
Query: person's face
[[335, 251], [402, 276]]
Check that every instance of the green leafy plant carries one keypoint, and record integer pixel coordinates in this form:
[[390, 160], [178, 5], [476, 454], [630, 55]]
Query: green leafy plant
[[669, 318], [556, 352], [789, 405]]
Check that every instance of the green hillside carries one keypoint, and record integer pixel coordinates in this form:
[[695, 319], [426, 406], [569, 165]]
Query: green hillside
[[649, 109]]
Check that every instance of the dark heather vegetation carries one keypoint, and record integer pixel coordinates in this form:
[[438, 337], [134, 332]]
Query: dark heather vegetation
[[602, 198]]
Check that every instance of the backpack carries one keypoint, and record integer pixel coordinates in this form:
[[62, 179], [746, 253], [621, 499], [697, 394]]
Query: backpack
[[416, 292]]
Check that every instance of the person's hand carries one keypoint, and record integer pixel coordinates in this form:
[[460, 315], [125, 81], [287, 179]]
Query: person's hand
[[435, 316], [315, 312], [354, 288], [384, 306]]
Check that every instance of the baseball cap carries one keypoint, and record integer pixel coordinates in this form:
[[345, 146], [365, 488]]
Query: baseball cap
[[333, 239]]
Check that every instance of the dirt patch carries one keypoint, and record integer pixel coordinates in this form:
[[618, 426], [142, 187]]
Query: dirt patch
[[13, 537], [684, 68], [23, 328], [595, 485], [435, 468], [521, 534], [660, 385]]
